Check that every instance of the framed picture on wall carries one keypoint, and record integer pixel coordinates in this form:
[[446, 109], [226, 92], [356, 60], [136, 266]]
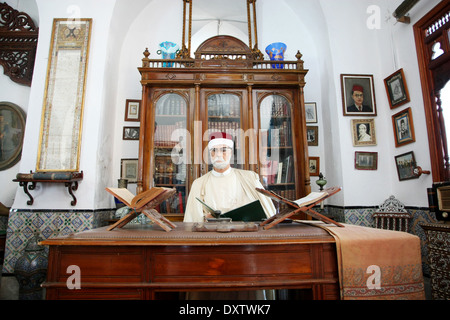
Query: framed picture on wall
[[132, 110], [406, 163], [402, 123], [311, 112], [312, 134], [396, 89], [130, 133], [129, 170], [358, 95], [314, 166], [366, 160], [363, 132]]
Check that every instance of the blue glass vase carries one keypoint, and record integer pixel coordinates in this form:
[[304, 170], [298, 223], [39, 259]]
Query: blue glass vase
[[276, 53], [168, 51]]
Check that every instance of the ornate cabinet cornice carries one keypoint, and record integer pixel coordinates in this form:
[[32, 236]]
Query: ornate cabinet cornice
[[18, 43]]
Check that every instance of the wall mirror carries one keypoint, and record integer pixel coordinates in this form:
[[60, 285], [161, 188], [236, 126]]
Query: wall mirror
[[203, 19]]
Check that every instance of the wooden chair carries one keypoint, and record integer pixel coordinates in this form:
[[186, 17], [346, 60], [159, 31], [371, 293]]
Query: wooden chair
[[392, 215]]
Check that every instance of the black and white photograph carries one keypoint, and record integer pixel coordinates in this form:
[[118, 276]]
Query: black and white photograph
[[130, 133], [402, 123], [363, 131], [396, 89]]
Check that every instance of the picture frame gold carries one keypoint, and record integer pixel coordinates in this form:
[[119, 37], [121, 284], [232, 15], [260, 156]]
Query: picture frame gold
[[62, 116], [402, 123], [363, 132]]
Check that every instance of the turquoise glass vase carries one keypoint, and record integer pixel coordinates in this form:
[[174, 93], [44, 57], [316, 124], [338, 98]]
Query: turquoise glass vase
[[168, 51], [276, 53]]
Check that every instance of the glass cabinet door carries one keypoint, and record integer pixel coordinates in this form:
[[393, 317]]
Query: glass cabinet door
[[224, 115], [170, 138], [276, 152]]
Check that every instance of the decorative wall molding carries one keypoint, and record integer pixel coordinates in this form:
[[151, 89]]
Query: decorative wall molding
[[18, 44]]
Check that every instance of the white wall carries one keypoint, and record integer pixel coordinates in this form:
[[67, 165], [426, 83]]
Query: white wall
[[333, 37], [52, 195]]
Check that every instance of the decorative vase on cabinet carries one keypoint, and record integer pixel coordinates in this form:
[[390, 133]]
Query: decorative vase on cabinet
[[276, 53]]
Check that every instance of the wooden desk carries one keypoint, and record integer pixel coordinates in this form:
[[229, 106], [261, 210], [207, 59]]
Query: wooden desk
[[145, 262]]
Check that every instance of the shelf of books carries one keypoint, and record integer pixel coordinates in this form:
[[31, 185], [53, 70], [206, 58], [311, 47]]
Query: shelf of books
[[224, 115], [170, 169], [277, 152]]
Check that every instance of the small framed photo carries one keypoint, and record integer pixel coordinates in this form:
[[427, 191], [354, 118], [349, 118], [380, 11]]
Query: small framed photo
[[358, 95], [132, 110], [311, 112], [363, 132], [130, 133], [366, 160], [406, 163], [396, 89], [129, 170], [402, 123], [314, 166], [312, 134]]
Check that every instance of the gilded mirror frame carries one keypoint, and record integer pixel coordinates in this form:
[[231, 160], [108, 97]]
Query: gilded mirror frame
[[185, 52]]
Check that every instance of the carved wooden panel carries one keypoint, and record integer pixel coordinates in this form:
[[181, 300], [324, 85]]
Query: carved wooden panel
[[18, 43]]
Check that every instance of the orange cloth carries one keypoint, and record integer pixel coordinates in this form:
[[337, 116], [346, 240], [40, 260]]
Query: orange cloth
[[395, 256]]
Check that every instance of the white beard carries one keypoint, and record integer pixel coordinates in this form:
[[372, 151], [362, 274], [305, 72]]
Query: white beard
[[220, 163]]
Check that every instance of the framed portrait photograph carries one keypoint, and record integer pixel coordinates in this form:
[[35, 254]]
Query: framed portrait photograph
[[12, 127], [311, 112], [132, 110], [130, 133], [366, 160], [363, 132], [402, 123], [312, 134], [314, 166], [358, 95], [406, 163], [396, 89], [129, 170]]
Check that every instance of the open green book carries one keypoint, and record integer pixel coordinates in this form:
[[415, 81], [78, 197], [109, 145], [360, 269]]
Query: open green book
[[252, 211]]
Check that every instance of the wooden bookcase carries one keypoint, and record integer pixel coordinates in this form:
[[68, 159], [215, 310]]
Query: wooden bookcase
[[226, 87]]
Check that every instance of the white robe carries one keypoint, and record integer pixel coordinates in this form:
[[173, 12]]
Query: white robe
[[225, 192]]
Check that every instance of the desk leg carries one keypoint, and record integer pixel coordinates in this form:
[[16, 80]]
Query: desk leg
[[24, 184]]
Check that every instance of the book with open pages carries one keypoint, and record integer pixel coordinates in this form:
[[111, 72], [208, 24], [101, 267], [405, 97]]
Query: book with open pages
[[295, 207], [144, 202]]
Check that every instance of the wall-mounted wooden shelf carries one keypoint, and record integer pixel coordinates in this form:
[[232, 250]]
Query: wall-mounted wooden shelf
[[29, 180]]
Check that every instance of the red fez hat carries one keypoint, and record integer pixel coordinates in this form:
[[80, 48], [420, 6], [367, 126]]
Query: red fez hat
[[218, 138], [357, 87]]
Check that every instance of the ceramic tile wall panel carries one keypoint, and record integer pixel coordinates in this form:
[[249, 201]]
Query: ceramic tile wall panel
[[23, 224]]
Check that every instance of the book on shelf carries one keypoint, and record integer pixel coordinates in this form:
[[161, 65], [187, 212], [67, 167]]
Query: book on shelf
[[252, 211], [144, 202]]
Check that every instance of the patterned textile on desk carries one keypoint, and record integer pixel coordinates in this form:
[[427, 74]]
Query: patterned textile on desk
[[396, 253]]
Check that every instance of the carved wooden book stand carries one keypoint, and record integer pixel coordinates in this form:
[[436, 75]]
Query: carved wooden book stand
[[294, 208]]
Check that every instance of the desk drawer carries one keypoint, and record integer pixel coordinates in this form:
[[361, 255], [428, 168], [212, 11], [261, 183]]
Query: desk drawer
[[220, 263]]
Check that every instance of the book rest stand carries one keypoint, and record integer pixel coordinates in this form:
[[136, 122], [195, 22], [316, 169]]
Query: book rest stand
[[149, 211], [296, 208]]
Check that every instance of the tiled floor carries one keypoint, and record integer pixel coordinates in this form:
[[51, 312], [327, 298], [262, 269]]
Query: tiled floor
[[9, 288]]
